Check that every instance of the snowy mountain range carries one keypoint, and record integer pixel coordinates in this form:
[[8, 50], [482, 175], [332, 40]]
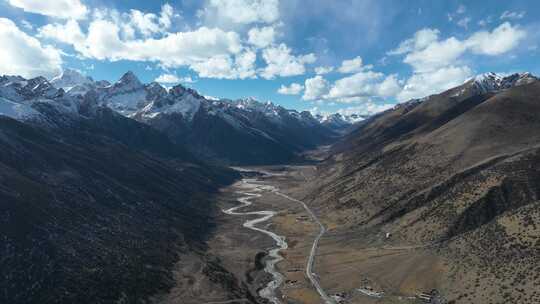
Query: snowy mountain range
[[493, 82], [130, 97], [232, 131], [340, 121], [226, 130], [490, 82]]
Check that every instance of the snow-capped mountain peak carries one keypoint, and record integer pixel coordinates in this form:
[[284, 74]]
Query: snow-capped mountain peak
[[155, 91], [127, 82], [33, 99], [70, 78], [179, 90], [339, 120], [178, 100], [491, 82], [126, 96], [252, 104]]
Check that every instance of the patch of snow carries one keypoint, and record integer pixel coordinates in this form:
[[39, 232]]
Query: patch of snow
[[188, 106], [127, 103], [185, 104]]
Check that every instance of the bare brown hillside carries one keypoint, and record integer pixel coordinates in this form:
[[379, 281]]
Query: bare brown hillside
[[457, 175]]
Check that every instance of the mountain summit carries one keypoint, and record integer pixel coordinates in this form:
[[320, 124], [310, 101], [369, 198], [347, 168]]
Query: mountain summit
[[491, 82], [70, 78], [128, 81]]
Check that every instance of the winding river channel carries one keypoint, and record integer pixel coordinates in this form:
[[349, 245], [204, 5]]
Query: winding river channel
[[251, 188], [269, 292]]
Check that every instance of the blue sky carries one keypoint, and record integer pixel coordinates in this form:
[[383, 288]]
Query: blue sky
[[349, 56]]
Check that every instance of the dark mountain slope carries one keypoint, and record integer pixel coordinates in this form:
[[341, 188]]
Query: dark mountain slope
[[87, 218], [226, 133], [212, 137]]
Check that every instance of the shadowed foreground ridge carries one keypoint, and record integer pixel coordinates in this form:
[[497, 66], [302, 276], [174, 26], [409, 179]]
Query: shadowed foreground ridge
[[89, 219]]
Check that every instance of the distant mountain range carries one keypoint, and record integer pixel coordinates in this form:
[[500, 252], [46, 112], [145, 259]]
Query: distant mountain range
[[242, 131]]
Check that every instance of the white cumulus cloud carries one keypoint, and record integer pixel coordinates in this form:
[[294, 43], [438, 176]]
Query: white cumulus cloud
[[225, 67], [242, 11], [424, 84], [24, 55], [501, 40], [438, 63], [367, 108], [211, 52], [364, 85], [166, 15], [147, 23], [167, 78], [315, 88], [65, 9], [172, 78], [354, 65], [292, 89], [214, 67], [425, 51], [321, 70], [389, 87], [69, 32], [261, 37], [420, 40], [281, 62], [437, 54]]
